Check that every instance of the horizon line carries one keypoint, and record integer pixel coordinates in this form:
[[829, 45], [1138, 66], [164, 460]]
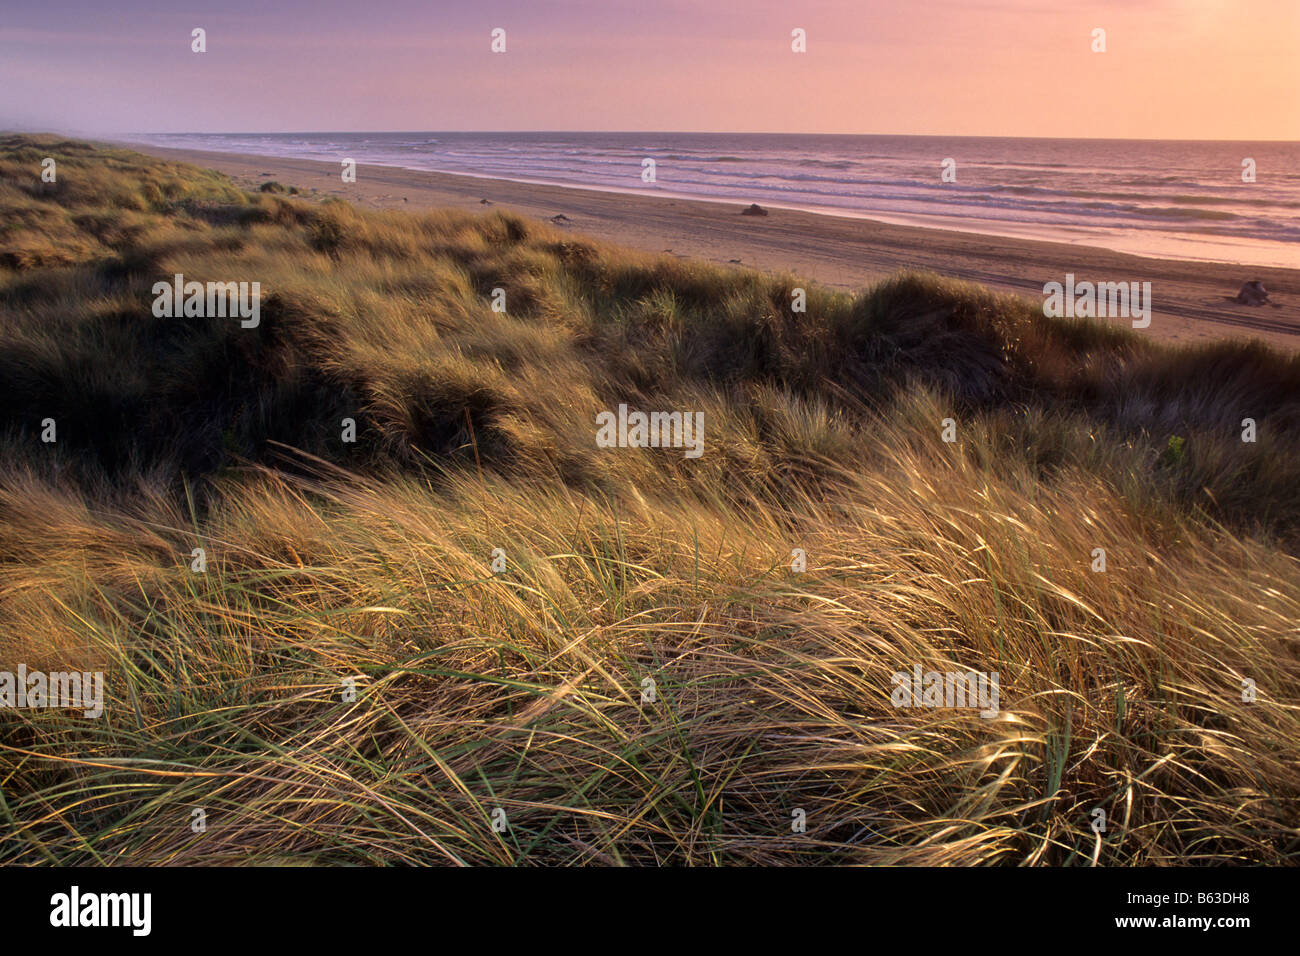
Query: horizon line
[[663, 132]]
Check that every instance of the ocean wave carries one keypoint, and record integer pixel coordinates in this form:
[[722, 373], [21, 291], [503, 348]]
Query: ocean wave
[[1176, 212]]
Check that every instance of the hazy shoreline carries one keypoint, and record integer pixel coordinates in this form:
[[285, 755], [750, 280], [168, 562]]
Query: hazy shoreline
[[1192, 299]]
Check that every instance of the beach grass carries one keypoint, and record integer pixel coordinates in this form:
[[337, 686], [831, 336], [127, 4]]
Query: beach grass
[[655, 677]]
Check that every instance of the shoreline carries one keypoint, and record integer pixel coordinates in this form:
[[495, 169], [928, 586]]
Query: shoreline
[[883, 219], [1192, 298]]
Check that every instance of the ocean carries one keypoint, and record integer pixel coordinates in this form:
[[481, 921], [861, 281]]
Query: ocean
[[1182, 200]]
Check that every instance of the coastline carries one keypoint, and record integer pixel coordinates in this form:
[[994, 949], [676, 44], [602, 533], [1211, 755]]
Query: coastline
[[1192, 300]]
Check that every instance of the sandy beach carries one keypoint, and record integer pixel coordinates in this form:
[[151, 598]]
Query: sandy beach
[[1192, 301]]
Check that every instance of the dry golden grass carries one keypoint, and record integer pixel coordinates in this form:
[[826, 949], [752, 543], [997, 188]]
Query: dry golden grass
[[522, 691]]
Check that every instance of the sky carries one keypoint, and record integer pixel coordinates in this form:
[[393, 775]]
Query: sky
[[1172, 69]]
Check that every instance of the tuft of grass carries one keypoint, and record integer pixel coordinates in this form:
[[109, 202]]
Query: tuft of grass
[[350, 682]]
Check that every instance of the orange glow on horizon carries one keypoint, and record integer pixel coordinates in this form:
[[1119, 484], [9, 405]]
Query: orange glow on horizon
[[1175, 69]]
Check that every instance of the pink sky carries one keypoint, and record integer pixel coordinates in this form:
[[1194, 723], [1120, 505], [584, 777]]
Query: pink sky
[[1187, 69]]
